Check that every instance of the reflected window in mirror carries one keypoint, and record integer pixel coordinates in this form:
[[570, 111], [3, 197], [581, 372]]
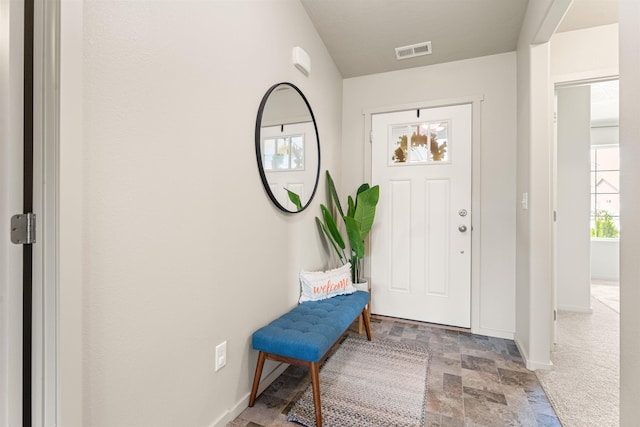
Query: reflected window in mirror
[[282, 153]]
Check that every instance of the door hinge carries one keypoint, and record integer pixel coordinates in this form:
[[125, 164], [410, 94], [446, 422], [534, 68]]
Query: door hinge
[[23, 229], [555, 216], [555, 315], [371, 137]]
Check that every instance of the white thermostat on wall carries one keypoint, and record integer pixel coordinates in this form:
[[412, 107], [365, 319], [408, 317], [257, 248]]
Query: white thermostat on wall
[[301, 60]]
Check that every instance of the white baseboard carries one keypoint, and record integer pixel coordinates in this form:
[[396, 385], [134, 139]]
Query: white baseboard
[[575, 308], [532, 365], [265, 382], [493, 333]]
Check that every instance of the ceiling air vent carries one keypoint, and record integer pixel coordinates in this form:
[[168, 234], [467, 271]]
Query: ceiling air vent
[[413, 50]]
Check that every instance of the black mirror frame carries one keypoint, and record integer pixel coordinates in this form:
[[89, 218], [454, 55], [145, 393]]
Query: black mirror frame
[[258, 144]]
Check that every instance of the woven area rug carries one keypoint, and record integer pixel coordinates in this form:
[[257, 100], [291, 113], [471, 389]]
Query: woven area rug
[[369, 383]]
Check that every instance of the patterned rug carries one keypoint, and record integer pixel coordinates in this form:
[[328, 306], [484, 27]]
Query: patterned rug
[[369, 383]]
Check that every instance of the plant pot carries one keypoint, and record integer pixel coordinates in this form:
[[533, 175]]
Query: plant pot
[[362, 286]]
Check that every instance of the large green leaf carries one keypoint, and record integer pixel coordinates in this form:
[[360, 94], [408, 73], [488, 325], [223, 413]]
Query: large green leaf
[[366, 210], [353, 231], [362, 188], [332, 227], [340, 253], [334, 193], [351, 208], [295, 199], [355, 269]]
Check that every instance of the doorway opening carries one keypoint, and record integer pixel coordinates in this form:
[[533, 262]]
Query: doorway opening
[[587, 197], [586, 238]]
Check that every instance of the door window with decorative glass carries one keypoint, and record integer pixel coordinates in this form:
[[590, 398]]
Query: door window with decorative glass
[[419, 143]]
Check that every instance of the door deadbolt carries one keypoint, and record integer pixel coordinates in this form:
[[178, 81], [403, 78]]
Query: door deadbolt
[[462, 212]]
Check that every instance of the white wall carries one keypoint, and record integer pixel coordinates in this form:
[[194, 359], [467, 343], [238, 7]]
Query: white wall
[[11, 135], [630, 213], [605, 259], [534, 297], [494, 78], [179, 246], [523, 306], [584, 54], [71, 248]]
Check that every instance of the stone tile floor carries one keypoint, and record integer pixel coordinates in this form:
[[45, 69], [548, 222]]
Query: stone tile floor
[[473, 381]]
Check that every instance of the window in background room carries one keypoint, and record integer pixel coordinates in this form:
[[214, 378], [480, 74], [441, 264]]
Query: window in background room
[[605, 191], [605, 160]]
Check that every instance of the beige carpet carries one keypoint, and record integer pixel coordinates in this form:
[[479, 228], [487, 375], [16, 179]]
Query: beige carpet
[[583, 385], [607, 293]]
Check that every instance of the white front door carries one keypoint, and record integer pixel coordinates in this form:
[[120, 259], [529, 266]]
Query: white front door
[[421, 247]]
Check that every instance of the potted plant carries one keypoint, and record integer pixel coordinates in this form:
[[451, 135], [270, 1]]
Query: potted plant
[[357, 223]]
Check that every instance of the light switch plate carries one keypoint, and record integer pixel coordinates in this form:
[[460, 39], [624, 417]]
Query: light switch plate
[[221, 355]]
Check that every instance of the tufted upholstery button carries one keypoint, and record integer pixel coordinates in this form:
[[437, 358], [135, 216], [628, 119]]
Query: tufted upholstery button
[[309, 330]]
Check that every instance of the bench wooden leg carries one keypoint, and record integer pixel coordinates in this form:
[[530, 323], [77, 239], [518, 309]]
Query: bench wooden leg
[[367, 323], [256, 379], [315, 383]]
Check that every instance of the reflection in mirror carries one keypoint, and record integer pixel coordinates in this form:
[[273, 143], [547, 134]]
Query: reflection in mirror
[[287, 147]]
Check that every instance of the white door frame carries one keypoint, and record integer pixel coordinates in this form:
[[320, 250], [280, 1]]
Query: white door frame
[[560, 82], [475, 102], [44, 277], [45, 205]]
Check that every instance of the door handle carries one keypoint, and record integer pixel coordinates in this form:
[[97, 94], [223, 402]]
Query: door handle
[[462, 228]]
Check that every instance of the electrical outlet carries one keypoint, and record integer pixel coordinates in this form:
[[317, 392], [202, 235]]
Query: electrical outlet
[[221, 355]]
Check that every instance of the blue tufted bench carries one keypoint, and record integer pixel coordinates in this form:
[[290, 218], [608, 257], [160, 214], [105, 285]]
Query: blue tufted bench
[[306, 335]]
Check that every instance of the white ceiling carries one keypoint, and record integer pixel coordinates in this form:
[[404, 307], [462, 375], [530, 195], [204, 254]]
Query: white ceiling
[[361, 35]]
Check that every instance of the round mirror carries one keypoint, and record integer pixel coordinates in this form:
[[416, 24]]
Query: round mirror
[[287, 147]]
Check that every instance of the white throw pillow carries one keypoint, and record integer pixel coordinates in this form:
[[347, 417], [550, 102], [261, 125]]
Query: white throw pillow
[[319, 285]]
